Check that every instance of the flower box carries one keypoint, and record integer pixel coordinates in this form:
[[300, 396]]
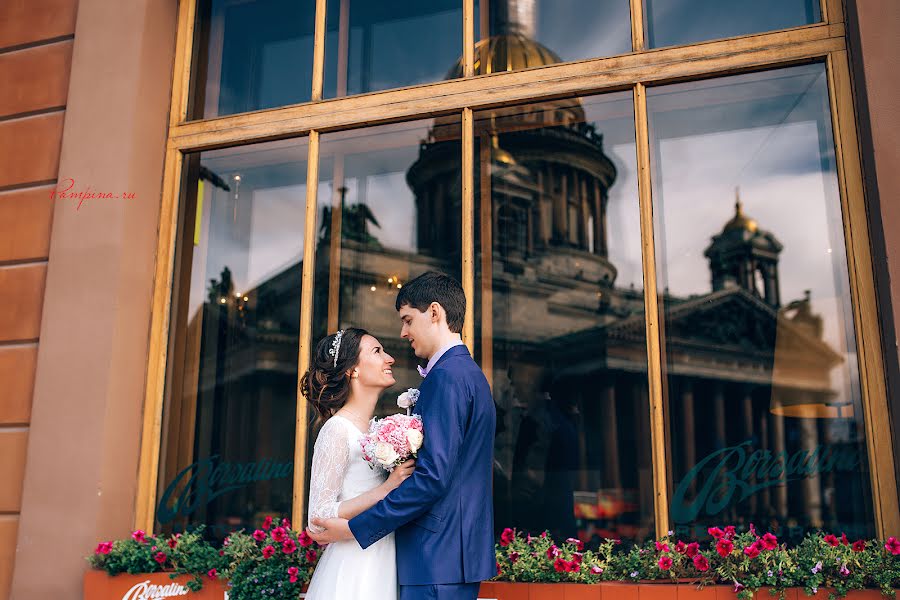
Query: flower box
[[100, 586], [495, 590]]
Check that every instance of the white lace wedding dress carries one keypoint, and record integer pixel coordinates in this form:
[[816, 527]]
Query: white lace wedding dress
[[339, 472]]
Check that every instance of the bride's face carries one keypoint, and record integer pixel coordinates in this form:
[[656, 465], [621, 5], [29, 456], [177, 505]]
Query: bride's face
[[374, 364]]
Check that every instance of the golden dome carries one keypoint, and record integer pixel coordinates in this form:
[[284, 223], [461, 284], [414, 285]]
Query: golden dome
[[507, 52], [500, 155], [740, 221]]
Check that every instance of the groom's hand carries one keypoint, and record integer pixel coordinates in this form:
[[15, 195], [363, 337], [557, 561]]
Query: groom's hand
[[336, 530]]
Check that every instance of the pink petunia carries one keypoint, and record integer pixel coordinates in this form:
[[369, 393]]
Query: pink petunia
[[724, 547], [286, 523], [259, 535], [279, 534], [507, 537], [692, 549], [268, 551], [513, 557], [211, 573], [700, 563], [267, 523], [665, 562], [304, 539], [752, 551], [892, 545], [715, 532], [289, 547], [859, 546], [680, 547], [311, 555], [292, 574], [831, 540], [578, 543], [769, 541], [662, 547], [103, 548], [138, 536], [160, 557]]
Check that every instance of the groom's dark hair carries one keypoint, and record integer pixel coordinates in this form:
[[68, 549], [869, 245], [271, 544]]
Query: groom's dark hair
[[433, 286]]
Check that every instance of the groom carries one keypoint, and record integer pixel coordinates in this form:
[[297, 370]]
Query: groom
[[442, 514]]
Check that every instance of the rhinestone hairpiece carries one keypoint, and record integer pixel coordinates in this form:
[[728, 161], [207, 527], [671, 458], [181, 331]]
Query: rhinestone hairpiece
[[336, 346]]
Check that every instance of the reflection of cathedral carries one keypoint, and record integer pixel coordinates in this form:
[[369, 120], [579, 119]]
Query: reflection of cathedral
[[566, 347]]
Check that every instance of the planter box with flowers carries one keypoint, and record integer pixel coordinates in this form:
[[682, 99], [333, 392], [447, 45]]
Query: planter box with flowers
[[277, 563]]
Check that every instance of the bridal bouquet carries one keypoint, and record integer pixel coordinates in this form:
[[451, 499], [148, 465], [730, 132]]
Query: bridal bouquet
[[392, 440]]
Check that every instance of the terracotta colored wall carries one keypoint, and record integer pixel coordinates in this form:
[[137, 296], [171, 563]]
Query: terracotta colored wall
[[874, 37], [72, 435], [35, 59]]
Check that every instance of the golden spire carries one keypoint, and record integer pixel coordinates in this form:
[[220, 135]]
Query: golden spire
[[740, 220]]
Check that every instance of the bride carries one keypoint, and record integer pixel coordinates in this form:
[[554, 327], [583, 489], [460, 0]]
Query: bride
[[349, 370]]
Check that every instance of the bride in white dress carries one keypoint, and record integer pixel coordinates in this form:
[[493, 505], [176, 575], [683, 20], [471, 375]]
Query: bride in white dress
[[349, 370]]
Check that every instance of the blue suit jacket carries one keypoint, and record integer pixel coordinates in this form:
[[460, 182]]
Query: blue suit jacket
[[443, 514]]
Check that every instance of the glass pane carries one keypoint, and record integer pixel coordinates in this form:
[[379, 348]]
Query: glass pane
[[392, 194], [679, 22], [518, 34], [761, 380], [371, 46], [228, 447], [560, 325], [250, 55]]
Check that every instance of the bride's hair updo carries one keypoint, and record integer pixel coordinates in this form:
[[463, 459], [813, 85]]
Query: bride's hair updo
[[326, 385]]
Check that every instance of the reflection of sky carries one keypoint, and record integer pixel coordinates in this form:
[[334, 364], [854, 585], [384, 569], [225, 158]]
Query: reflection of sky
[[578, 29], [676, 22], [782, 159]]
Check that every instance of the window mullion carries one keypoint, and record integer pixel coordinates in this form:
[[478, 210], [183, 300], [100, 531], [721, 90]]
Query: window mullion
[[651, 313], [318, 73], [467, 247], [637, 25], [306, 315]]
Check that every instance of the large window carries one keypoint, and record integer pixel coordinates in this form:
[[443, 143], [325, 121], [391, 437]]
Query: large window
[[655, 209]]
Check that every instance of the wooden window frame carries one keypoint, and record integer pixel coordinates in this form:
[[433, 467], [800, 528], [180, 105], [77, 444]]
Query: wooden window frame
[[825, 41]]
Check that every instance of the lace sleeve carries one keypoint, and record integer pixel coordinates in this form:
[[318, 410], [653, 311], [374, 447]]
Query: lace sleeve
[[331, 456]]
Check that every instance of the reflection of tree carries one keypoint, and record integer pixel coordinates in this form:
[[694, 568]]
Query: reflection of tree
[[219, 289], [355, 221]]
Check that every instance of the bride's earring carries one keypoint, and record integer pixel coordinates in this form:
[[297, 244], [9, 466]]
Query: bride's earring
[[355, 374]]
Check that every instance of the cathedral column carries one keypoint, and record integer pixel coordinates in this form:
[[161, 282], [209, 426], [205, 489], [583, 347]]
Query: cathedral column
[[718, 407], [779, 492], [689, 433], [645, 463], [599, 222], [585, 212], [612, 476], [812, 483], [559, 205], [747, 406]]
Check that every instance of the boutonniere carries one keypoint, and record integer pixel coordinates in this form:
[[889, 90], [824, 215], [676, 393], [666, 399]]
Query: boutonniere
[[408, 399]]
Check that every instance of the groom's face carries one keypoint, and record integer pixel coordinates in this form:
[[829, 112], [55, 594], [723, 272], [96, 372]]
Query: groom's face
[[419, 329]]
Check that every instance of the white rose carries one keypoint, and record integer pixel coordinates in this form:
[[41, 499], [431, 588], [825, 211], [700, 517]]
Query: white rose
[[408, 398], [415, 438], [385, 454]]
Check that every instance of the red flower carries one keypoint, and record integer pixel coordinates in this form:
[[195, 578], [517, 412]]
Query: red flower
[[560, 565], [304, 539], [211, 573], [692, 549], [859, 546], [552, 551], [160, 557], [286, 523], [715, 532], [507, 537], [831, 540], [700, 563], [267, 523], [311, 555], [499, 572], [665, 563], [259, 535], [724, 547], [268, 551], [138, 536], [578, 543], [892, 545], [662, 547], [289, 547], [752, 550], [576, 558], [279, 534], [844, 540], [292, 574], [172, 543], [573, 566], [769, 541], [513, 557], [729, 532], [221, 553], [103, 548], [680, 547]]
